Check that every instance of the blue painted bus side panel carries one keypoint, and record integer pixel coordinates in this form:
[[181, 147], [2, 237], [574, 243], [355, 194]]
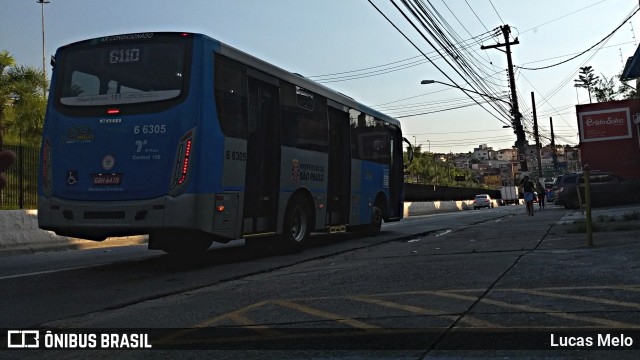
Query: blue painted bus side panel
[[369, 180], [210, 144]]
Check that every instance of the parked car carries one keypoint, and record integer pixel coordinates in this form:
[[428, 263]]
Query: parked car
[[483, 200], [549, 193], [559, 181], [606, 189]]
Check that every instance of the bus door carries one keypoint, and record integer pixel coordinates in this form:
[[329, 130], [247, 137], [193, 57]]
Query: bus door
[[339, 167], [263, 156]]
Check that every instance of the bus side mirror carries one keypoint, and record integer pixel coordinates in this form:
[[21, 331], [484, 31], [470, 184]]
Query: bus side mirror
[[53, 62], [409, 152]]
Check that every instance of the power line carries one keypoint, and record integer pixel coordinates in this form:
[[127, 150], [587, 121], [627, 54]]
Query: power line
[[563, 16], [430, 24], [494, 9], [417, 48], [474, 13], [585, 51]]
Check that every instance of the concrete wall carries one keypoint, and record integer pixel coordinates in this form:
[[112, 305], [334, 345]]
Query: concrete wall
[[432, 207]]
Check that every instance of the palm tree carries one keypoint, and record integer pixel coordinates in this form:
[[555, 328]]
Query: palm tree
[[586, 79], [21, 89], [29, 103], [6, 60]]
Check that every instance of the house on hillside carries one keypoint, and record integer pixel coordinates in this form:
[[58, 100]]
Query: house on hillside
[[483, 153], [507, 154]]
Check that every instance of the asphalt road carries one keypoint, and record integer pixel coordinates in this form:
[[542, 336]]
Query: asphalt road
[[426, 287]]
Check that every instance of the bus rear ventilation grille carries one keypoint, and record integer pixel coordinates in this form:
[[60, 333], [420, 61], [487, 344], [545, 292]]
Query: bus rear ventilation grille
[[103, 215]]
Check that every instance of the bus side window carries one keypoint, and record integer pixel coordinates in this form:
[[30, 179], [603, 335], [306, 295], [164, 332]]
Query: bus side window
[[370, 139], [304, 119], [230, 80]]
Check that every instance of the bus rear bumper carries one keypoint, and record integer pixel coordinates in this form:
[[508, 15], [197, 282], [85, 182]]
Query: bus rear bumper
[[97, 220]]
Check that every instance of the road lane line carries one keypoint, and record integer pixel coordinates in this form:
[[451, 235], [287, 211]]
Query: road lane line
[[551, 288], [171, 338], [325, 315], [16, 276], [531, 309], [248, 324], [425, 311], [578, 297]]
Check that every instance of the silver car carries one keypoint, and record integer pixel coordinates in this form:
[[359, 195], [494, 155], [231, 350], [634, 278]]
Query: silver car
[[482, 200]]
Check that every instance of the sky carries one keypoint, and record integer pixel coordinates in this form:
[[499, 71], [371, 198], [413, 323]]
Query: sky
[[369, 51]]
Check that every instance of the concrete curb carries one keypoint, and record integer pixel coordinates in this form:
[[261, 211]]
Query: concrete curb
[[19, 232]]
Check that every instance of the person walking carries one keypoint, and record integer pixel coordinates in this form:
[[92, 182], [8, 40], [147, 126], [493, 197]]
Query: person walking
[[528, 188], [542, 194]]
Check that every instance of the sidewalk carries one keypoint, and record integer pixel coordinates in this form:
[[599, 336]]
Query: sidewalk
[[613, 226]]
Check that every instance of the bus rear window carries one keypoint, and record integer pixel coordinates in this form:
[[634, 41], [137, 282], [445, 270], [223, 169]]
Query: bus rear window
[[120, 74]]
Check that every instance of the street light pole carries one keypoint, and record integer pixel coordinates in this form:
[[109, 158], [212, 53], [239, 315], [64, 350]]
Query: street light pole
[[44, 69]]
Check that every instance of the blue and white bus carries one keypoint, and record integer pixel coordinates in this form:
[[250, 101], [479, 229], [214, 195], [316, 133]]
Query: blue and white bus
[[191, 141]]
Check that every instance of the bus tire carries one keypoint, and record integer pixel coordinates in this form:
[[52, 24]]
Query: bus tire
[[297, 224]]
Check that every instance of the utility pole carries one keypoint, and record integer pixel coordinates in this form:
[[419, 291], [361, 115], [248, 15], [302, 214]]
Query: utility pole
[[521, 139], [44, 67], [553, 147], [537, 135]]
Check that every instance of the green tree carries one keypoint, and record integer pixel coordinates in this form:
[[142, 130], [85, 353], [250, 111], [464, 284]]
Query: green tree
[[22, 104], [586, 79], [6, 61], [613, 88], [605, 89], [429, 169], [627, 91]]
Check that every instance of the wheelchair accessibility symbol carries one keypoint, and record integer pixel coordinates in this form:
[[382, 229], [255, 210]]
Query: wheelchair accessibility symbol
[[72, 177]]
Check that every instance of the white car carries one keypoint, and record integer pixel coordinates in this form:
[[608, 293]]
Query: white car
[[482, 200]]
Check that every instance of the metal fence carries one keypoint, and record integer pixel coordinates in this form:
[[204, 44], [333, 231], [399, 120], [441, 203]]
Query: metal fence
[[21, 191]]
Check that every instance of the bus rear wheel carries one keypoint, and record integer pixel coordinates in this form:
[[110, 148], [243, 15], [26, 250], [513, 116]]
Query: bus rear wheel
[[297, 224]]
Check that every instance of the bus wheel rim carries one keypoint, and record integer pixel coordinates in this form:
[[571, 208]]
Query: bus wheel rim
[[298, 224]]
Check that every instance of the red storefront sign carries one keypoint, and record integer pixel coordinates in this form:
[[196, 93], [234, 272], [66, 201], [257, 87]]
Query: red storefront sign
[[604, 125]]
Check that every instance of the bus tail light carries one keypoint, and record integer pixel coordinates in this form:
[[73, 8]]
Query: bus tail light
[[183, 161], [46, 167]]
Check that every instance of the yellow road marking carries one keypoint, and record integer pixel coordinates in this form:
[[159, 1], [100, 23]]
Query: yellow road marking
[[527, 308], [248, 324], [325, 315], [578, 297], [238, 318], [171, 338], [558, 288], [424, 311]]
